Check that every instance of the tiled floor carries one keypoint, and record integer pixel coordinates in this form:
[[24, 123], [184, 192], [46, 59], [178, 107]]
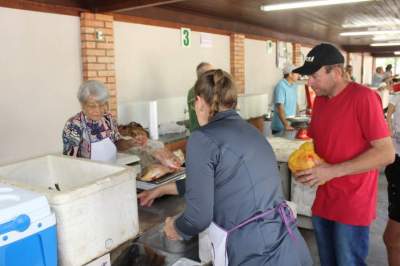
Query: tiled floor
[[377, 251]]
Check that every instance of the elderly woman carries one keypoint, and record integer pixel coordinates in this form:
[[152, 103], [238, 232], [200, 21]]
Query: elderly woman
[[233, 188], [92, 133]]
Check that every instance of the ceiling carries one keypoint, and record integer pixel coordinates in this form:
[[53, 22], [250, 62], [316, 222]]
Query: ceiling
[[309, 25]]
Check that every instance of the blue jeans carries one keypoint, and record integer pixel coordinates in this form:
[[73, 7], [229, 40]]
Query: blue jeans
[[341, 244]]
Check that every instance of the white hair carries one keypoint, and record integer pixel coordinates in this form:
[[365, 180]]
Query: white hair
[[93, 88]]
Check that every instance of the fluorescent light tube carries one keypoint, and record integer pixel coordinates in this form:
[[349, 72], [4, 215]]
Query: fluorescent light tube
[[386, 44], [386, 38], [397, 52], [372, 24], [372, 32], [304, 4]]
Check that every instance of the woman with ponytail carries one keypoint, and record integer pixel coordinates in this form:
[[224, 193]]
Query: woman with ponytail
[[233, 188]]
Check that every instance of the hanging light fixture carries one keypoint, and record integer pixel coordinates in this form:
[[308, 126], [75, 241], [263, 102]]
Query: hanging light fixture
[[304, 4]]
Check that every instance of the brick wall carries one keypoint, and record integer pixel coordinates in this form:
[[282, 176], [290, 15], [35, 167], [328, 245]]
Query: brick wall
[[98, 55], [237, 59], [297, 58]]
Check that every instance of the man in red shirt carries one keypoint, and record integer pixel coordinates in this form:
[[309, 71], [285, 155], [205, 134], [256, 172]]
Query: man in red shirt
[[351, 135]]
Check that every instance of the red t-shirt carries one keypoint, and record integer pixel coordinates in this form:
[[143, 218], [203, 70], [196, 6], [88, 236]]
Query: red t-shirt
[[342, 128]]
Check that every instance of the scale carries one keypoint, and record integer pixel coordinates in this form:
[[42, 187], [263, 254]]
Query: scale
[[300, 123]]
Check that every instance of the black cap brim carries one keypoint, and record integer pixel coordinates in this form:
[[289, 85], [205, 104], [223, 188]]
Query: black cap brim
[[307, 69]]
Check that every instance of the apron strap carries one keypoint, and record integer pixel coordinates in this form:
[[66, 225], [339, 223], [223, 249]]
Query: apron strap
[[287, 219]]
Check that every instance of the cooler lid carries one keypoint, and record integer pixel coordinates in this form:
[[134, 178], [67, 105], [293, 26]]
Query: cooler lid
[[15, 202], [127, 159]]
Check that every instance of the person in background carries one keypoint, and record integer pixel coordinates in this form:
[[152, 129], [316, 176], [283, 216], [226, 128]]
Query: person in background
[[378, 77], [388, 75], [92, 133], [351, 136], [232, 184], [193, 123], [349, 73], [391, 237], [285, 101], [388, 71]]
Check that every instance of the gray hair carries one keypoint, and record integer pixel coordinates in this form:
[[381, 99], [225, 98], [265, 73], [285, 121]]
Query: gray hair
[[93, 88], [201, 68]]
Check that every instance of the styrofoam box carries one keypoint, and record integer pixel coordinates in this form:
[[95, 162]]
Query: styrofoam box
[[95, 203]]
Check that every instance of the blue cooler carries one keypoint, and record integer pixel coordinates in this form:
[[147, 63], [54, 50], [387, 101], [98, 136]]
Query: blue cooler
[[28, 233]]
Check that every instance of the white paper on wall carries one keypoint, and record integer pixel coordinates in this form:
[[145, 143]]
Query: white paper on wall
[[206, 40]]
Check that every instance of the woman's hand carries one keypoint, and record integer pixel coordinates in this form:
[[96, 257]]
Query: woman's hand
[[169, 229], [139, 140], [126, 144], [147, 197], [167, 158]]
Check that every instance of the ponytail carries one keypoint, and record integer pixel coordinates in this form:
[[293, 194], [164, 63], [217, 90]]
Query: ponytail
[[218, 90]]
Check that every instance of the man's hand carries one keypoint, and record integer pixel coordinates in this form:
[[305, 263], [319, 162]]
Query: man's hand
[[288, 127], [318, 175]]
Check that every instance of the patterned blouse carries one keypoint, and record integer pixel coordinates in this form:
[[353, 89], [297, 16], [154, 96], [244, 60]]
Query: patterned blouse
[[80, 131]]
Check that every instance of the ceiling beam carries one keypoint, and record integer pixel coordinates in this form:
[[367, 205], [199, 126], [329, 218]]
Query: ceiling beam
[[126, 5], [184, 18], [371, 49], [387, 54]]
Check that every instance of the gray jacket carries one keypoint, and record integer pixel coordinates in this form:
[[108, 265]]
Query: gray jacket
[[232, 174]]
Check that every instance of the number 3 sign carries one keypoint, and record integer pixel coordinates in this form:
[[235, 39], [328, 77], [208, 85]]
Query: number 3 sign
[[186, 37]]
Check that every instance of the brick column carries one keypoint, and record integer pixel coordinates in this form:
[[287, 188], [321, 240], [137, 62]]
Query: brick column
[[297, 58], [237, 60], [98, 55]]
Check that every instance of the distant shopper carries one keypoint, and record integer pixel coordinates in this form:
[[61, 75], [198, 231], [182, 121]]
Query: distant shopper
[[350, 133], [349, 73], [285, 100], [378, 77], [388, 75], [388, 71], [193, 123], [391, 236]]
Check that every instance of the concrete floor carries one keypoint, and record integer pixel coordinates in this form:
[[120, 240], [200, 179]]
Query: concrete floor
[[377, 251]]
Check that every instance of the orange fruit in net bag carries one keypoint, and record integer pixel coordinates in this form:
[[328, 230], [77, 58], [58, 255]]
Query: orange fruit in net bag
[[304, 158]]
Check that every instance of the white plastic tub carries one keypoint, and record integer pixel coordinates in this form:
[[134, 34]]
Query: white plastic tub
[[95, 203]]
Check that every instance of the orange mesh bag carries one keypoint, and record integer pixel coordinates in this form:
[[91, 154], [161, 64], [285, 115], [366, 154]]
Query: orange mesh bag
[[304, 158]]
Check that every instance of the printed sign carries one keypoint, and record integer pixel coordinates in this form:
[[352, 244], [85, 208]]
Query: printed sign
[[186, 37]]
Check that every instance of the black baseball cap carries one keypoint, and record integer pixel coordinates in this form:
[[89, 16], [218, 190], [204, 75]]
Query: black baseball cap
[[323, 54]]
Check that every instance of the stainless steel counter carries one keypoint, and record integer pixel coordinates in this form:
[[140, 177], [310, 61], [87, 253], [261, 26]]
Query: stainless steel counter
[[162, 208]]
